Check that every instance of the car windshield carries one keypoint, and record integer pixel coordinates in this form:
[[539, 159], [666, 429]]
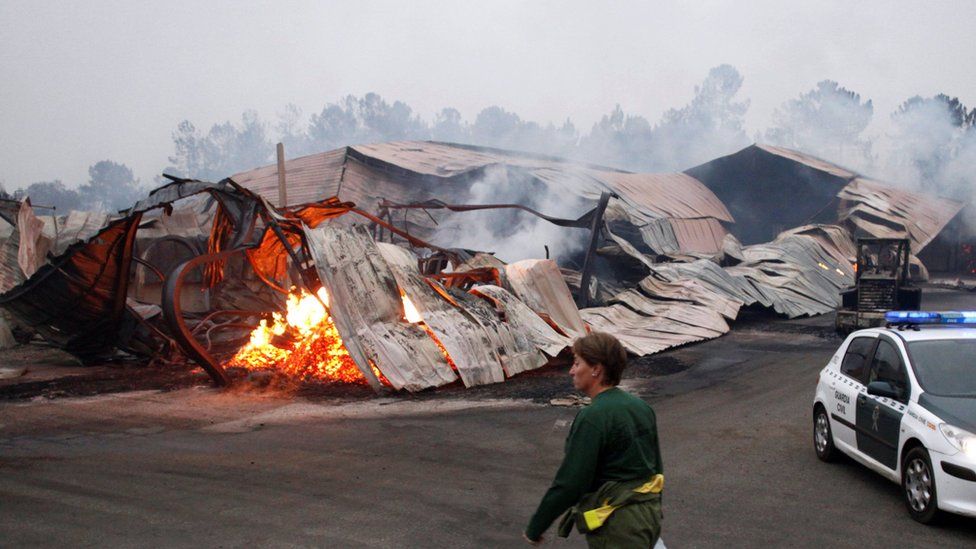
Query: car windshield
[[945, 367]]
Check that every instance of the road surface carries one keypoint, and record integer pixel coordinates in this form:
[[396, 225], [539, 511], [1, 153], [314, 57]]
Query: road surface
[[196, 467]]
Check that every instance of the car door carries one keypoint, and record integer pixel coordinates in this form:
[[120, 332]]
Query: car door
[[878, 421], [847, 385]]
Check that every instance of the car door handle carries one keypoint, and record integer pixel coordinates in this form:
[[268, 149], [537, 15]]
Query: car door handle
[[861, 398]]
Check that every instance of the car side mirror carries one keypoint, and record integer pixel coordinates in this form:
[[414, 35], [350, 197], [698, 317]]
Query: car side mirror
[[883, 389]]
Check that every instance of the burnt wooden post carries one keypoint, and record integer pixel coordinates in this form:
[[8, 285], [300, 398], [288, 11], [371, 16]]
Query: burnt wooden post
[[584, 296], [282, 191]]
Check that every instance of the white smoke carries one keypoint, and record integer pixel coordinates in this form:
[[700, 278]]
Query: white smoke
[[931, 149], [514, 234], [827, 121]]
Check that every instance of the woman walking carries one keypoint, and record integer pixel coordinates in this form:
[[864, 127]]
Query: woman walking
[[611, 476]]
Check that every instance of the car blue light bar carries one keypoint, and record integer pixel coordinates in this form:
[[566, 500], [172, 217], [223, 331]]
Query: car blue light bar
[[930, 317]]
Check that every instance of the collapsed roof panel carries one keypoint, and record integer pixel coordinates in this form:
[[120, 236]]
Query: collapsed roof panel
[[417, 171], [540, 284], [691, 291], [11, 273], [676, 195], [465, 340], [659, 235], [34, 245], [537, 330], [884, 211], [810, 161], [310, 178], [712, 276], [803, 271], [642, 334], [772, 189], [516, 350], [78, 298], [708, 321], [800, 273], [77, 301], [368, 311], [703, 236]]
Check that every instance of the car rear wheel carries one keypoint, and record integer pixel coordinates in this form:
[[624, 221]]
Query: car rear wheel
[[918, 485], [823, 438]]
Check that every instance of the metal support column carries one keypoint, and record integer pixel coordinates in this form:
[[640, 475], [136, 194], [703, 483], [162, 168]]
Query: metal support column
[[584, 296]]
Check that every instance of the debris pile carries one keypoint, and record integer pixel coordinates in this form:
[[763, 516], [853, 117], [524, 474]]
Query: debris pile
[[364, 274]]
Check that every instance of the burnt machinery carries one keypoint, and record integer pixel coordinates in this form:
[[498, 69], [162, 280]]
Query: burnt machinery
[[881, 284]]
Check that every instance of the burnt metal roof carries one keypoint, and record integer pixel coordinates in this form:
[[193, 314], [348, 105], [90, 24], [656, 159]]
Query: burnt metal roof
[[414, 171], [885, 211], [808, 160]]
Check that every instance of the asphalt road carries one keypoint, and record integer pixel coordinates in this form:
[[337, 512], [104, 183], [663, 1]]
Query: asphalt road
[[195, 467]]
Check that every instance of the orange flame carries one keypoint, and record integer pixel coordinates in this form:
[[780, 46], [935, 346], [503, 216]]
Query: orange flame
[[302, 343], [410, 312], [411, 315]]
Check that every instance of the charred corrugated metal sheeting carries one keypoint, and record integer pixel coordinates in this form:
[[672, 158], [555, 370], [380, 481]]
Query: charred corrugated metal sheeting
[[687, 277], [366, 282], [67, 278], [78, 299], [800, 273], [771, 189], [883, 211], [679, 213]]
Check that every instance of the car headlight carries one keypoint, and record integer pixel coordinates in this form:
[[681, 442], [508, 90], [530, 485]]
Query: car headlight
[[960, 438]]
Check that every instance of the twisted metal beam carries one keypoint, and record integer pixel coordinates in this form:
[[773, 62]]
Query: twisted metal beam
[[173, 313]]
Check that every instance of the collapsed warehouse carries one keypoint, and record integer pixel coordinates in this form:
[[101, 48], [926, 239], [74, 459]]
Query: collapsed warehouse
[[372, 263], [756, 181]]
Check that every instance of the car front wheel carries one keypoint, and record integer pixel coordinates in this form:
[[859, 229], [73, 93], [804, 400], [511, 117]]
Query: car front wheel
[[918, 485], [823, 439]]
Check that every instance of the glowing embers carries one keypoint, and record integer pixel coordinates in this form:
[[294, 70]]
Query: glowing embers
[[303, 343]]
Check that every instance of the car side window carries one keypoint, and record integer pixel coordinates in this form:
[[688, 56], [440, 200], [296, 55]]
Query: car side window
[[855, 364], [887, 366]]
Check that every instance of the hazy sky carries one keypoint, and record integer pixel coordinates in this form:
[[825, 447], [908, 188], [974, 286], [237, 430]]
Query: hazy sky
[[87, 81]]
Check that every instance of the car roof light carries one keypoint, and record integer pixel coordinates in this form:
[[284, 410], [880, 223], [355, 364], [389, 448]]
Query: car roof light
[[930, 317]]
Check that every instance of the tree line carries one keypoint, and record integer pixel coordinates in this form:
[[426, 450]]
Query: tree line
[[111, 186], [929, 145]]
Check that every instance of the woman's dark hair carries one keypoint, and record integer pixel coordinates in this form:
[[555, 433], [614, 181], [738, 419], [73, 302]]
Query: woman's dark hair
[[600, 348]]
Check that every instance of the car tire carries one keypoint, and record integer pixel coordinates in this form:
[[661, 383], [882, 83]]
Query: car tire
[[823, 437], [918, 486]]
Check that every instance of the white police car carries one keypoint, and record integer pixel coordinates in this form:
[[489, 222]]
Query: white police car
[[902, 401]]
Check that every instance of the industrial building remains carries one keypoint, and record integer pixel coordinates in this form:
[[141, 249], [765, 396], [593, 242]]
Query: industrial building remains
[[374, 263]]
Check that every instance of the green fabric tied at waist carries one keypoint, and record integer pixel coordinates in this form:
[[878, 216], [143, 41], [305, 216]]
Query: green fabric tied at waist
[[596, 507]]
